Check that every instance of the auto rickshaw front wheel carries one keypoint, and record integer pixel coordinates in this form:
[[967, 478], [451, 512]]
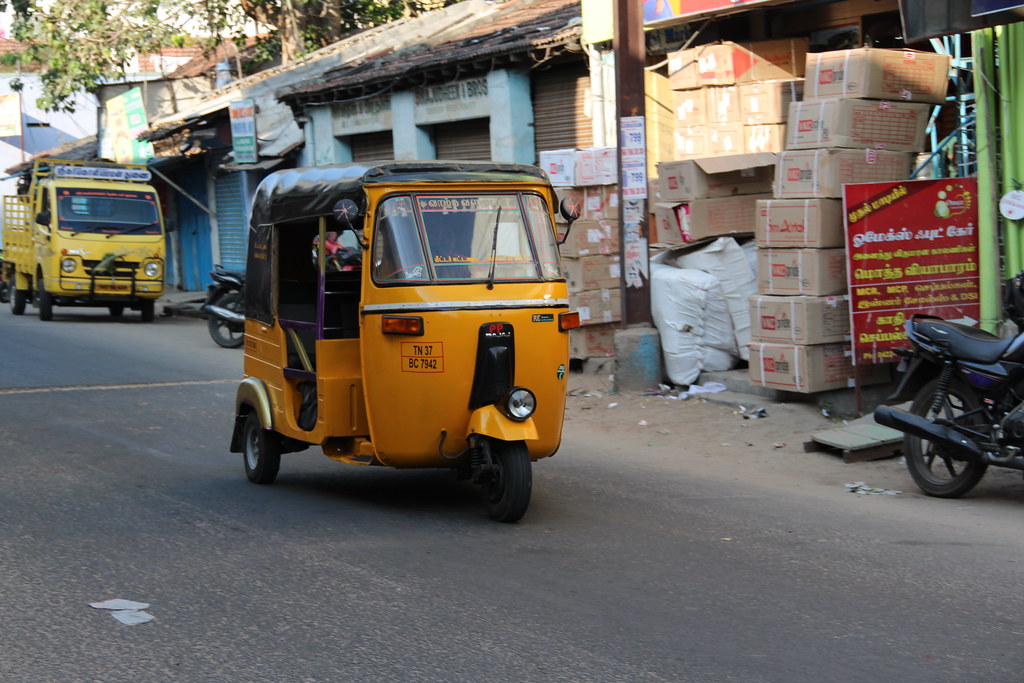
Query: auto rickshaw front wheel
[[261, 451], [507, 488]]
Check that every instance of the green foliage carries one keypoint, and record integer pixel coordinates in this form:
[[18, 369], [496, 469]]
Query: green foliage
[[75, 45]]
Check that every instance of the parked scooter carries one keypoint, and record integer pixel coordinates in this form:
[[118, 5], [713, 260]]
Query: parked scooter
[[967, 413], [225, 307]]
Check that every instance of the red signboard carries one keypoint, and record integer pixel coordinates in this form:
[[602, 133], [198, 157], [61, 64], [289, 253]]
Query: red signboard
[[912, 247], [658, 10]]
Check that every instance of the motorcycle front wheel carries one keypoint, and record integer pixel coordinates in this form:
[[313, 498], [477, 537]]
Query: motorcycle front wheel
[[933, 469], [228, 335]]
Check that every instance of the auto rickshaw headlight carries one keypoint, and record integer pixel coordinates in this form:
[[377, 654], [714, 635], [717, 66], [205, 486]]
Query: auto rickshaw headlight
[[151, 269], [519, 404], [68, 265]]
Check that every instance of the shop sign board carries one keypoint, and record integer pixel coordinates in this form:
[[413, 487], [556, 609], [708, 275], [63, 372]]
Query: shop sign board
[[243, 131], [370, 115], [912, 247], [456, 101], [659, 10]]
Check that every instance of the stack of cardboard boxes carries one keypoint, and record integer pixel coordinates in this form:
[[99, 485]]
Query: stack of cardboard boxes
[[590, 254], [863, 115]]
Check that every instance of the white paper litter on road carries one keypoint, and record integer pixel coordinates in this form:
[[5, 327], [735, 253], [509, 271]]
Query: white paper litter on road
[[863, 489], [117, 603], [132, 617]]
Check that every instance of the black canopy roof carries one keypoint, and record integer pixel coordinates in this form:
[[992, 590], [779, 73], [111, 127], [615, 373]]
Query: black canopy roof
[[299, 193]]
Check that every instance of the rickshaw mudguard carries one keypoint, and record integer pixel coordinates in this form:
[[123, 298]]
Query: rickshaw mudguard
[[489, 421], [252, 394]]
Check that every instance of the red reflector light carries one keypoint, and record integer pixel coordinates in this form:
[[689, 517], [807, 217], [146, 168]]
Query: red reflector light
[[401, 324], [568, 321]]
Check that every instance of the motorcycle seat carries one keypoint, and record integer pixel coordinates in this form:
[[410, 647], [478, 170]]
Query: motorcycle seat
[[968, 343]]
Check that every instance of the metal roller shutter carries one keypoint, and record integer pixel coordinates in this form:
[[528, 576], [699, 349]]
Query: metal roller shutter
[[372, 146], [463, 140], [232, 235], [559, 98]]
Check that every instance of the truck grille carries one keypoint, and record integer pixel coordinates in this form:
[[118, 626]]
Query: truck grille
[[120, 269]]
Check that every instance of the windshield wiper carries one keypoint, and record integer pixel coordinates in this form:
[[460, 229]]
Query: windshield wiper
[[131, 230], [494, 251]]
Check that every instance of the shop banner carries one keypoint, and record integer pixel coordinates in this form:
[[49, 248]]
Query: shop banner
[[912, 247], [124, 118], [243, 131], [10, 115], [658, 10]]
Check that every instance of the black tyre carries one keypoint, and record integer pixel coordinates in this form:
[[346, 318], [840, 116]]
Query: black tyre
[[116, 310], [933, 470], [227, 335], [19, 297], [508, 495], [147, 309], [261, 451], [44, 301]]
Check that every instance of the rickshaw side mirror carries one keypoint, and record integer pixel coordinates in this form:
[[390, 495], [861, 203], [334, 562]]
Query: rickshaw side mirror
[[345, 213], [570, 210]]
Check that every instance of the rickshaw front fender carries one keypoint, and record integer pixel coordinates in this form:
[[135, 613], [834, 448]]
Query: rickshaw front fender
[[489, 421], [251, 396]]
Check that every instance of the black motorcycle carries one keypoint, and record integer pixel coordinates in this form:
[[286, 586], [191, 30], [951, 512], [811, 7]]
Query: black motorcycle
[[225, 307], [967, 413]]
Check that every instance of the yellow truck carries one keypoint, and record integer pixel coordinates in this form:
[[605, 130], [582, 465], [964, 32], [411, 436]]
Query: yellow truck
[[84, 234]]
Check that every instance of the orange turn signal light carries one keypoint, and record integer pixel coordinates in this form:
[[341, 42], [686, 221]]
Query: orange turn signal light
[[402, 324], [568, 321]]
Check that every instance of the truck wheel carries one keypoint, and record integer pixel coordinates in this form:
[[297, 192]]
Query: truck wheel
[[115, 310], [45, 304], [19, 297], [147, 309]]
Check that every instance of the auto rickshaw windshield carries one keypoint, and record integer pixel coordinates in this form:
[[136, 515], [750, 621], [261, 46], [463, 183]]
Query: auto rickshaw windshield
[[459, 237]]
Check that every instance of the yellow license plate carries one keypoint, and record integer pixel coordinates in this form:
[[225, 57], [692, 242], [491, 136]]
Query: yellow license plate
[[113, 288]]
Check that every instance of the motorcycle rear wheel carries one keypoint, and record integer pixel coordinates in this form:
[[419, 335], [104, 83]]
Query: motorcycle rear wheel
[[226, 334], [934, 471]]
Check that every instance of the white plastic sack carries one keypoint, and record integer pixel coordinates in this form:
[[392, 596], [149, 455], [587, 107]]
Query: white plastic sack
[[727, 261], [693, 320]]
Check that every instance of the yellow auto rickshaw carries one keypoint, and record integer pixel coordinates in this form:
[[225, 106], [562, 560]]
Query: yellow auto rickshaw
[[433, 332]]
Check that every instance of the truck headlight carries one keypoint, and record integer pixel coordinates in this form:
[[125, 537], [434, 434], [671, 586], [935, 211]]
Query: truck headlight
[[151, 269], [519, 404], [68, 265]]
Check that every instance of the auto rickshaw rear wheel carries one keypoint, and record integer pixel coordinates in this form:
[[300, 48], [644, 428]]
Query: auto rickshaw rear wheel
[[261, 451], [507, 491]]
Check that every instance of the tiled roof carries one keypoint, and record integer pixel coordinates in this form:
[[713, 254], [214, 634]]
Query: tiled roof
[[515, 30]]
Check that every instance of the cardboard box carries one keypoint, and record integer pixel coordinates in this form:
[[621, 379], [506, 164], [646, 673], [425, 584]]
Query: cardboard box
[[595, 271], [767, 138], [597, 166], [763, 103], [592, 341], [601, 203], [661, 122], [823, 172], [723, 104], [875, 73], [874, 124], [728, 63], [597, 306], [690, 142], [808, 369], [690, 107], [800, 223], [722, 216], [723, 176], [587, 238], [725, 138], [801, 271], [670, 223], [560, 165], [799, 319]]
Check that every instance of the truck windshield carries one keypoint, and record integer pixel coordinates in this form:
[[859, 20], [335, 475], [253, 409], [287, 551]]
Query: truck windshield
[[460, 237], [108, 212]]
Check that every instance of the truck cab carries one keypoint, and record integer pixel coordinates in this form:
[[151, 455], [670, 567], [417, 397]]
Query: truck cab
[[85, 234]]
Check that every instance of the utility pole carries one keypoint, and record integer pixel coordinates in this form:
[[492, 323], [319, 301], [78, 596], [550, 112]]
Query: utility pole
[[630, 50]]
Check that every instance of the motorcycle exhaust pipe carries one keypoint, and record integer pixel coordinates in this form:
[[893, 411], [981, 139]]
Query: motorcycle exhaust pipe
[[224, 314], [947, 438]]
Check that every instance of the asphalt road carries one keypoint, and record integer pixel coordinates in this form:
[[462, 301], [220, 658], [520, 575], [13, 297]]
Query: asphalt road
[[117, 483]]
